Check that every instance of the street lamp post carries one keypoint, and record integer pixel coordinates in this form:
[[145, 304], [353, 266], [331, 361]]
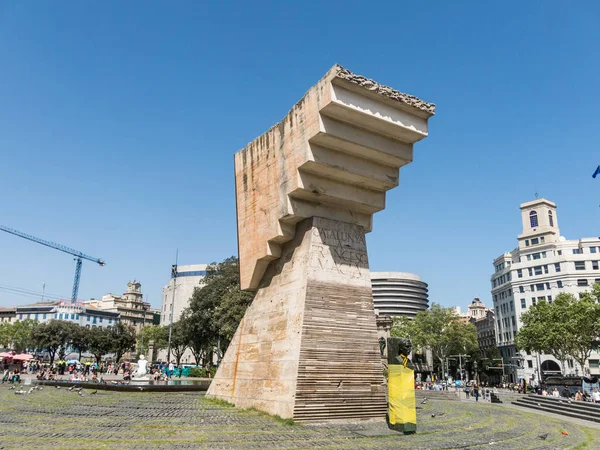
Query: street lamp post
[[174, 275], [143, 326]]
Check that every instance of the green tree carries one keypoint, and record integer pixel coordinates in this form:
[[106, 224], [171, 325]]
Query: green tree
[[200, 342], [546, 328], [22, 335], [155, 334], [179, 341], [52, 336], [440, 330], [219, 305], [80, 338], [122, 339], [6, 335], [100, 343]]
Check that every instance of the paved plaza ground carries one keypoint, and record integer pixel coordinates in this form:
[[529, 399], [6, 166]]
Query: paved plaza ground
[[56, 418]]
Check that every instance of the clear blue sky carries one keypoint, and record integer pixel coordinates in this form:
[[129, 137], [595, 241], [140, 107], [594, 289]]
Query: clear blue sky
[[119, 121]]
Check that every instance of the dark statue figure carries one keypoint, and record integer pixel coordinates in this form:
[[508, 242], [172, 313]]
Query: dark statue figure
[[382, 345], [398, 350]]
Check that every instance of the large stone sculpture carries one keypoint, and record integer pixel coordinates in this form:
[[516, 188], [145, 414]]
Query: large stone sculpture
[[306, 191]]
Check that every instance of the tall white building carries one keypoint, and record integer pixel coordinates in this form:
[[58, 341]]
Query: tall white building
[[543, 265], [188, 278]]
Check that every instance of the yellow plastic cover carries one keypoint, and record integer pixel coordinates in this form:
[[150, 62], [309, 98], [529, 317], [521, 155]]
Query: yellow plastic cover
[[401, 394]]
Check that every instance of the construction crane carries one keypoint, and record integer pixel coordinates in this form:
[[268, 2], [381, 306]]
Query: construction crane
[[79, 257]]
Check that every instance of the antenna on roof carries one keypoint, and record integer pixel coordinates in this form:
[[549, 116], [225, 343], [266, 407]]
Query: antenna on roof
[[536, 193]]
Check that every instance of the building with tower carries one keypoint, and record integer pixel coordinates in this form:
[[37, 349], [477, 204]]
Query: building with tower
[[132, 308], [543, 265]]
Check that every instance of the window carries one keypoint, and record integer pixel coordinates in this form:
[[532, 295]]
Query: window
[[72, 316], [526, 242], [592, 249], [542, 239], [512, 305], [44, 317], [595, 265], [520, 273], [76, 316], [521, 289], [540, 287], [582, 282], [88, 319], [55, 316], [559, 252], [538, 270], [514, 322], [110, 320], [559, 284], [100, 319], [536, 256], [549, 299], [594, 364], [535, 241], [530, 270], [579, 265], [597, 281], [528, 257], [570, 361], [533, 219], [36, 316], [532, 287], [546, 268], [530, 364], [576, 251], [533, 301], [557, 267], [550, 218]]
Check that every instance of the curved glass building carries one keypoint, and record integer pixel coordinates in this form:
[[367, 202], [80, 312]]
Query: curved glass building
[[399, 294]]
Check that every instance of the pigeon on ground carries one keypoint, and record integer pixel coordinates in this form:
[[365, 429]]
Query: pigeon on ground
[[543, 436], [12, 388], [80, 393], [57, 387], [94, 393], [424, 401], [433, 415], [71, 388]]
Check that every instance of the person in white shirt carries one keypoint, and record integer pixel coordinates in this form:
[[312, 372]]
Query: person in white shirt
[[596, 396], [171, 369]]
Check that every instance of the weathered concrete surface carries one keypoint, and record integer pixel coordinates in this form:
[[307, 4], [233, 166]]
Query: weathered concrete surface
[[307, 346], [334, 155], [306, 191]]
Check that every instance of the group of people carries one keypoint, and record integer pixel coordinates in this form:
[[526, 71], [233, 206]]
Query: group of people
[[580, 395]]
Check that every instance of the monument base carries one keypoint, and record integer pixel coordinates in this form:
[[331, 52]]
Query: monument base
[[307, 346]]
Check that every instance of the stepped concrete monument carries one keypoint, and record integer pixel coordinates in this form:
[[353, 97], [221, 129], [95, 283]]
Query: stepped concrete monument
[[307, 348]]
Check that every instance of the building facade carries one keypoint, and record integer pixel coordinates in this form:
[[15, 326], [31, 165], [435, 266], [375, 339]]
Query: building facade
[[8, 315], [399, 294], [130, 306], [543, 265], [65, 310], [188, 278]]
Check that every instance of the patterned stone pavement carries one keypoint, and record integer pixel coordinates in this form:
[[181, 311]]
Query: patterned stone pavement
[[56, 418]]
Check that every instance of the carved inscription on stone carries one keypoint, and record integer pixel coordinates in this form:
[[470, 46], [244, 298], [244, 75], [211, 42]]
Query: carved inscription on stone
[[340, 250]]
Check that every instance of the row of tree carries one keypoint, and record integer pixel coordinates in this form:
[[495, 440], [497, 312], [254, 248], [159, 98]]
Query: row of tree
[[206, 325], [210, 320], [441, 331], [60, 337], [566, 328]]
